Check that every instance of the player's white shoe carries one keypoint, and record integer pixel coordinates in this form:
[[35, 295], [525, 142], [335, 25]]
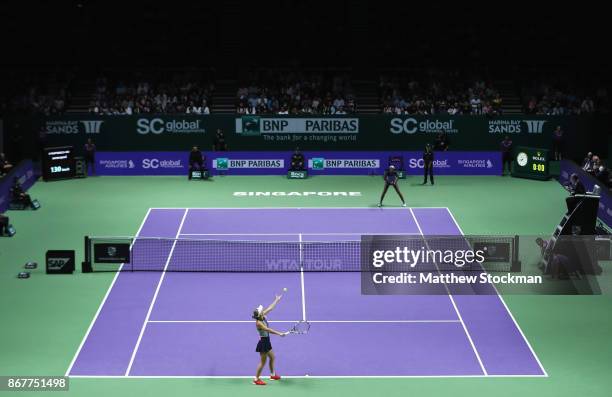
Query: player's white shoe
[[403, 205], [379, 205]]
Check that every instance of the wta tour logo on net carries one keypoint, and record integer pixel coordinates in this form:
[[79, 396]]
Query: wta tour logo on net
[[323, 264]]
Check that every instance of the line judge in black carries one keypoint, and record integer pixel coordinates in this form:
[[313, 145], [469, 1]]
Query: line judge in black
[[391, 178], [18, 195], [506, 149], [4, 224], [219, 144], [297, 160], [441, 143], [196, 160], [428, 159], [90, 156]]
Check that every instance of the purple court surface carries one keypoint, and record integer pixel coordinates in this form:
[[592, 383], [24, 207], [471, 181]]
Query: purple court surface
[[172, 324]]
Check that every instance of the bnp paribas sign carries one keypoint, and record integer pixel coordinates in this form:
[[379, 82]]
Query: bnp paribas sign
[[257, 125]]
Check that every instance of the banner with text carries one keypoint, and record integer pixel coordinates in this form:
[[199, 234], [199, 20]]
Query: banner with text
[[277, 163], [142, 163], [283, 132]]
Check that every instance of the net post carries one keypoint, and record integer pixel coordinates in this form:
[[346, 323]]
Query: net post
[[86, 264], [515, 266], [132, 242]]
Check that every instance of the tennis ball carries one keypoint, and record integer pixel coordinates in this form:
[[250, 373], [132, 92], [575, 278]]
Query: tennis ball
[[284, 289]]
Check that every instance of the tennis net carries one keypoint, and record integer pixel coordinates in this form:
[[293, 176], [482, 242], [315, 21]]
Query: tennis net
[[248, 255]]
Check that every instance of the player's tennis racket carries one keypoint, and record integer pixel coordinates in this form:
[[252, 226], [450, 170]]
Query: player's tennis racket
[[300, 328]]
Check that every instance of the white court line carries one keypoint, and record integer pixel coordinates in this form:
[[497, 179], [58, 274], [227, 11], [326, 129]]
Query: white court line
[[506, 306], [484, 370], [302, 279], [303, 234], [310, 321], [161, 280], [110, 287], [295, 208], [301, 376]]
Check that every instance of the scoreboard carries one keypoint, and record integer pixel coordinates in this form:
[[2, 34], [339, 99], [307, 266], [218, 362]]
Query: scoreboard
[[58, 163], [531, 163]]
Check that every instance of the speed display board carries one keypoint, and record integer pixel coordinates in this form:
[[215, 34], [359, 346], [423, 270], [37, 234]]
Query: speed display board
[[531, 163], [58, 163]]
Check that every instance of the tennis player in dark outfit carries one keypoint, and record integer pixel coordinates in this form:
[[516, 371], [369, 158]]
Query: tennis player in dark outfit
[[391, 178], [506, 149], [264, 347], [428, 158]]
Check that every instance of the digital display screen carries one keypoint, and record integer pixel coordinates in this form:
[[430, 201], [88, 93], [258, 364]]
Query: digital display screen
[[531, 163], [58, 163]]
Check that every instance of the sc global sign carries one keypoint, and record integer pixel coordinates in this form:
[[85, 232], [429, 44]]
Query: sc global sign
[[420, 163], [164, 163], [411, 125], [159, 126]]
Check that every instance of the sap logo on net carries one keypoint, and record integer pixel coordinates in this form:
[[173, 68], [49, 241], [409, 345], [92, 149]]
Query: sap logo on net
[[158, 126], [157, 163]]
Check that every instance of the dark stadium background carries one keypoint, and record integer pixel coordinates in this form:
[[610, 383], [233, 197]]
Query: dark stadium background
[[498, 36]]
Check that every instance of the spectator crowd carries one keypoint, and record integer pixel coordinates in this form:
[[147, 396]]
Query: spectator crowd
[[411, 92], [38, 101], [559, 94], [5, 165], [558, 103], [434, 92], [593, 164], [295, 93], [46, 94], [179, 93]]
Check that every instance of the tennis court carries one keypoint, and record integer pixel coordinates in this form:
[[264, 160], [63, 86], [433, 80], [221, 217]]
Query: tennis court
[[197, 324]]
